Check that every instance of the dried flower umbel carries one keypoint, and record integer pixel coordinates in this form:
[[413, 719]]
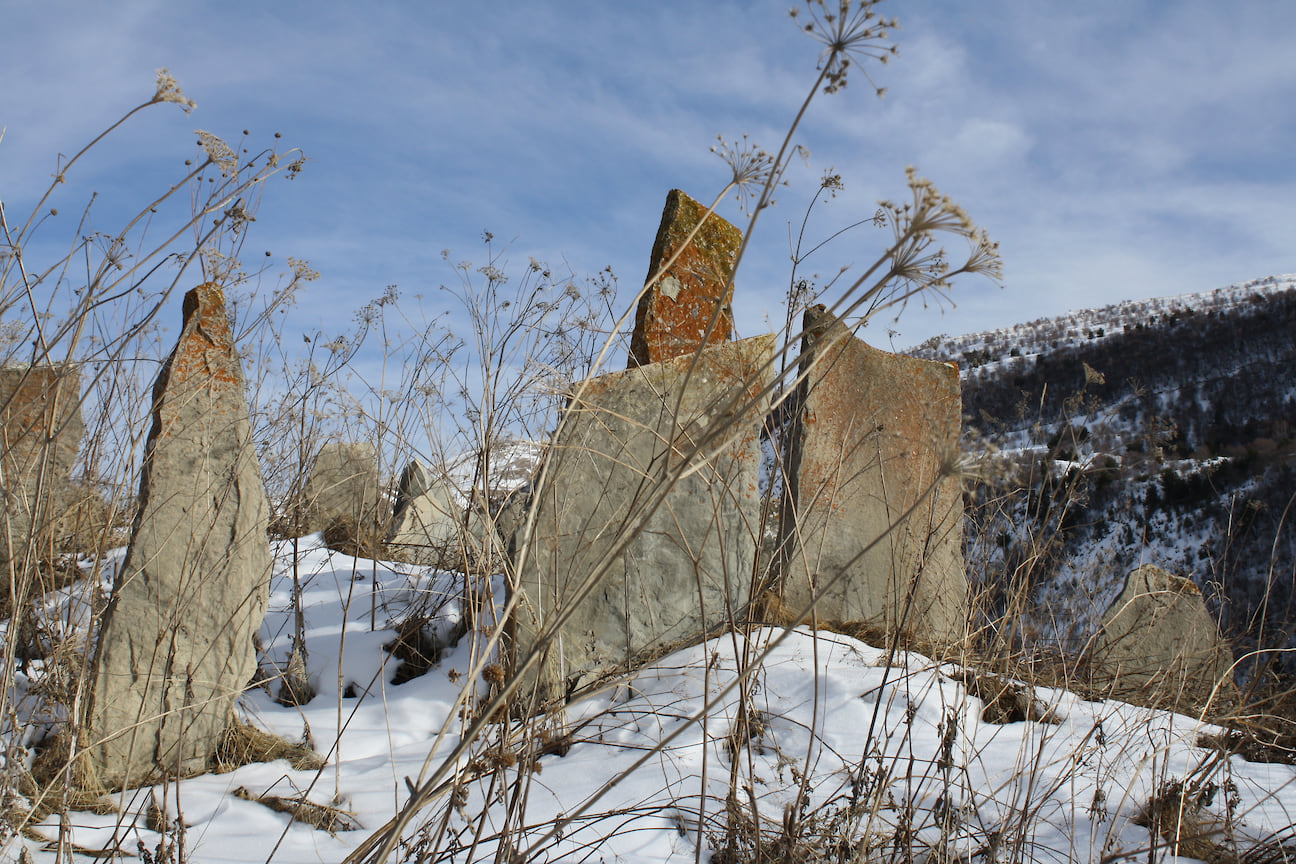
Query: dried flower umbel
[[914, 225], [848, 29], [168, 90], [218, 152], [752, 167]]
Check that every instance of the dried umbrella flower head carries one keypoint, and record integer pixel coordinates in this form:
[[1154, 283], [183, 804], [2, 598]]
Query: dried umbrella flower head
[[751, 165], [168, 90], [913, 225], [848, 29], [915, 266], [218, 152]]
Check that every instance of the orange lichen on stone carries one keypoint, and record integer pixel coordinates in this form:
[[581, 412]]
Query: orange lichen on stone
[[675, 314], [206, 329]]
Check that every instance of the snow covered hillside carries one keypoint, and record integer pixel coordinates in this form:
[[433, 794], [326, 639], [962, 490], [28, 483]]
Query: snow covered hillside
[[1155, 431], [786, 745]]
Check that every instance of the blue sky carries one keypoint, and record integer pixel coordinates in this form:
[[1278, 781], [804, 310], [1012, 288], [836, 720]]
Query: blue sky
[[1115, 149]]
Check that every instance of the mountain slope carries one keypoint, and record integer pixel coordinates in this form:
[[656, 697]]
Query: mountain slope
[[1156, 431]]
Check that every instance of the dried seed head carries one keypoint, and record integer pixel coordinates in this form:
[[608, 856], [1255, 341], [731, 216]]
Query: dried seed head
[[168, 90], [218, 152]]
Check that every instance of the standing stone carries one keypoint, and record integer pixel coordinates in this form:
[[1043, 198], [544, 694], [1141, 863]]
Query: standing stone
[[688, 567], [677, 309], [1158, 645], [868, 442], [40, 434], [427, 522], [175, 646], [413, 482], [342, 496]]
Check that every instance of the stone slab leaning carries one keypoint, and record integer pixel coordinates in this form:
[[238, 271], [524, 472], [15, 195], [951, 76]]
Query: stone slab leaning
[[427, 523], [611, 579], [872, 523], [175, 645]]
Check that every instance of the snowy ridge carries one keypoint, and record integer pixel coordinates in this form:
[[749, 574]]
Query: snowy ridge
[[975, 350], [1153, 431]]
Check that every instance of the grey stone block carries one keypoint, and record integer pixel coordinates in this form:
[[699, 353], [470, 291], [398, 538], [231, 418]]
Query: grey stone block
[[343, 497], [427, 522], [607, 580], [1158, 645], [40, 435]]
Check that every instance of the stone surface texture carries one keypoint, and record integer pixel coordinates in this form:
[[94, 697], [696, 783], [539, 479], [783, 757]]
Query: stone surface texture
[[1159, 644], [866, 446], [40, 433], [427, 521], [343, 492], [175, 646], [686, 568], [676, 311]]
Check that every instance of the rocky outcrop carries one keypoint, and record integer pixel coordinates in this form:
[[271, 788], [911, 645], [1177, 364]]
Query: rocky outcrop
[[677, 315], [1158, 645], [872, 519], [175, 645], [646, 517]]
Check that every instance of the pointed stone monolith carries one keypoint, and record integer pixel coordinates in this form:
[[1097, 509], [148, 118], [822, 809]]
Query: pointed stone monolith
[[677, 314], [175, 646]]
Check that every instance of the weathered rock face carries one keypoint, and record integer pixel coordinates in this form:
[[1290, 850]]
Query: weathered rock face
[[867, 446], [40, 435], [686, 568], [343, 495], [674, 314], [1159, 645], [175, 646], [427, 522]]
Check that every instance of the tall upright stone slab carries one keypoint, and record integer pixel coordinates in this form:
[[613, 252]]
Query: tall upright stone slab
[[40, 434], [870, 524], [668, 575], [1159, 645], [675, 313], [175, 646]]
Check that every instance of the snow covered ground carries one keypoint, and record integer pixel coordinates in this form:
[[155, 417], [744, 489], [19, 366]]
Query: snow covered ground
[[844, 750]]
